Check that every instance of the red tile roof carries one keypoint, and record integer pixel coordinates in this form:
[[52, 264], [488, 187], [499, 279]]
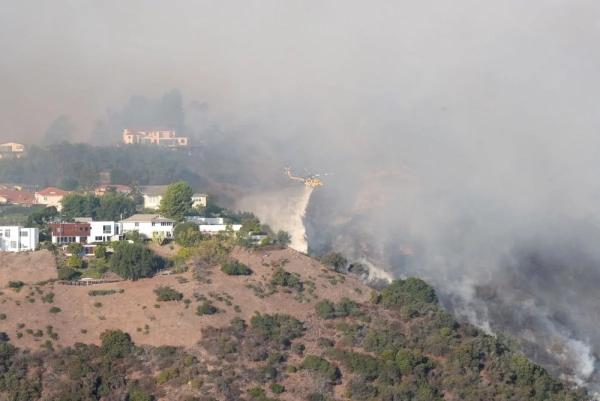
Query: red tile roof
[[52, 191], [17, 197]]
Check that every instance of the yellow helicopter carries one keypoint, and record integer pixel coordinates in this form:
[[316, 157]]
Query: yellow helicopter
[[312, 181]]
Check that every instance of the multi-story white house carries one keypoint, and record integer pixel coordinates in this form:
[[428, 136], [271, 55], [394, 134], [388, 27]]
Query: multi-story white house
[[158, 137], [153, 195], [102, 231], [18, 239], [11, 150], [212, 225], [150, 226]]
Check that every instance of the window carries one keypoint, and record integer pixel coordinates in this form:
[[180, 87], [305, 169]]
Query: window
[[24, 233], [98, 238], [13, 244], [107, 229], [7, 233], [137, 224]]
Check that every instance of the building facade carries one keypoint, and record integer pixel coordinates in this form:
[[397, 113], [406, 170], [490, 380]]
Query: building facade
[[156, 137], [104, 231], [18, 239], [153, 195], [199, 200], [51, 197], [150, 226], [12, 150], [66, 233]]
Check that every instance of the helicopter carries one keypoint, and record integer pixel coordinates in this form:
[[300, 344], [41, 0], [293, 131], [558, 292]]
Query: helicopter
[[311, 181]]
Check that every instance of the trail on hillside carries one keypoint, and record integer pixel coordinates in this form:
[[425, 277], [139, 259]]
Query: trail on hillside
[[282, 209]]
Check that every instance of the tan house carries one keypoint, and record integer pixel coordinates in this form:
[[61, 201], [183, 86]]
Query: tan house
[[12, 150], [165, 138], [51, 197], [199, 200]]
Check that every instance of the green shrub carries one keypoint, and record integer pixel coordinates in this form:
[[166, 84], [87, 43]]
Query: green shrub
[[278, 327], [235, 268], [48, 298], [137, 394], [68, 274], [322, 366], [55, 309], [134, 261], [412, 295], [328, 310], [166, 375], [325, 309], [165, 293], [17, 285], [286, 279], [206, 308], [116, 343], [277, 388]]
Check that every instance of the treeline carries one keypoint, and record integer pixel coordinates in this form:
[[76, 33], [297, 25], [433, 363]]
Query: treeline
[[78, 166]]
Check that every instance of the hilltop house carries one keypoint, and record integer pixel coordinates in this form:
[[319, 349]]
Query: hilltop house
[[12, 150], [66, 233], [121, 189], [199, 200], [51, 197], [18, 239], [156, 137], [15, 196], [212, 225], [102, 231], [149, 226], [153, 194]]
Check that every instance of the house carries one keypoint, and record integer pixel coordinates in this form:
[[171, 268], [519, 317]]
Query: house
[[199, 200], [18, 239], [149, 226], [157, 137], [12, 150], [121, 189], [218, 228], [205, 220], [51, 197], [153, 195], [66, 233], [14, 196], [102, 231]]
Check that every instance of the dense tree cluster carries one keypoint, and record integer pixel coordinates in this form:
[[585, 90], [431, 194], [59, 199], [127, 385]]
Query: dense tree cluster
[[134, 261]]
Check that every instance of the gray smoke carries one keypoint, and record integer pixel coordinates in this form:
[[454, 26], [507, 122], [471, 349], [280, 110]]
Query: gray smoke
[[462, 135]]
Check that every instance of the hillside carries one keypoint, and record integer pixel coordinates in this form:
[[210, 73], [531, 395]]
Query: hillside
[[267, 335]]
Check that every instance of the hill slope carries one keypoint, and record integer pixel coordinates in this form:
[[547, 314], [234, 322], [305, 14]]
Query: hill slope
[[291, 330]]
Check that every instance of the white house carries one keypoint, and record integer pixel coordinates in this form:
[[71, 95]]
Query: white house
[[205, 220], [150, 226], [153, 194], [218, 228], [199, 200], [102, 231], [18, 239]]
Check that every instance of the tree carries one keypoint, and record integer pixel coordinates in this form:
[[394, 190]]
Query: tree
[[116, 343], [283, 238], [77, 205], [115, 206], [134, 261], [187, 234], [335, 260], [75, 248], [177, 201], [59, 130]]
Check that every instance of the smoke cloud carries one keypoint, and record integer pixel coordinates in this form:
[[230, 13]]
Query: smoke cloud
[[462, 136]]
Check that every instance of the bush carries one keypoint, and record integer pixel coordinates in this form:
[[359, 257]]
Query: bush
[[134, 261], [100, 252], [412, 295], [68, 274], [75, 249], [328, 310], [74, 262], [206, 308], [137, 394], [164, 293], [322, 366], [286, 279], [116, 343], [334, 260], [17, 285], [187, 234], [277, 388], [235, 268], [280, 328], [55, 309]]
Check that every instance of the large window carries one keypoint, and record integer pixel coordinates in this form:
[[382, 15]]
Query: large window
[[24, 233], [7, 233], [107, 229]]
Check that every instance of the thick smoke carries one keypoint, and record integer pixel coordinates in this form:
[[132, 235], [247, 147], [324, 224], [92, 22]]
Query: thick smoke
[[462, 135]]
